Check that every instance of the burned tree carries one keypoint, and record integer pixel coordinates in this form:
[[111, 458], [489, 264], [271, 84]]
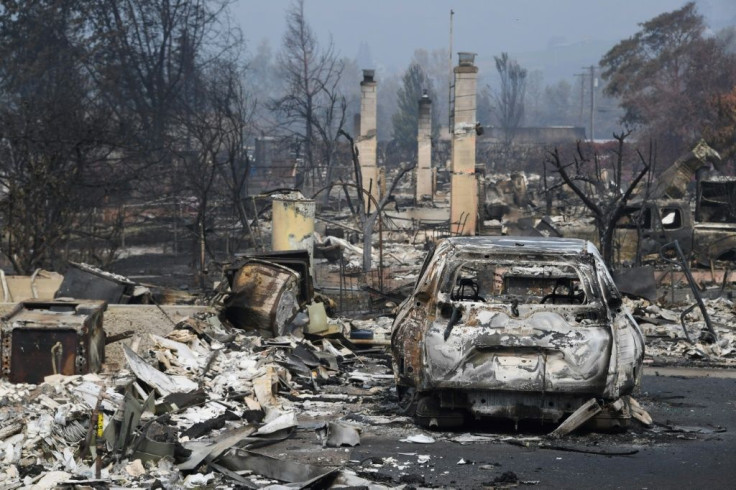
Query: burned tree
[[415, 83], [312, 107], [666, 76], [146, 57], [370, 212], [609, 202], [54, 153], [509, 99]]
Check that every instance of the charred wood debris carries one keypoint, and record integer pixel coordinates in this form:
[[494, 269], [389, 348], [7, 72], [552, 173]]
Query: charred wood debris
[[271, 384]]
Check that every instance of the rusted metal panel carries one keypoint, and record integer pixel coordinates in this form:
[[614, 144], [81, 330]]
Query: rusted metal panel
[[40, 338], [297, 260], [293, 222], [85, 281]]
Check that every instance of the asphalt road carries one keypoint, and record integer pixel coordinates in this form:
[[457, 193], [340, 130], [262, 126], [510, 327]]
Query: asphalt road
[[692, 445]]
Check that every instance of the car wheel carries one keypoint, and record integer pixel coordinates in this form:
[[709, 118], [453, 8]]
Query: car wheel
[[431, 415], [407, 400]]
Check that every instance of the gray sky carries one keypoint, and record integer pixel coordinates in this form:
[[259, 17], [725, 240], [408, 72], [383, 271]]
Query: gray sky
[[393, 29]]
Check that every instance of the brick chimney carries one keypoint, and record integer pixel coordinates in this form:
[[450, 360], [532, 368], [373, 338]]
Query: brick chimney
[[423, 189], [463, 185], [367, 140]]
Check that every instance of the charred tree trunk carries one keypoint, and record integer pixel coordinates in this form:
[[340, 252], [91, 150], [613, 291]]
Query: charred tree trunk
[[608, 207]]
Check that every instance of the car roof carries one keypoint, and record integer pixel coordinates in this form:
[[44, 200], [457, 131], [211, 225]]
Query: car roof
[[517, 244]]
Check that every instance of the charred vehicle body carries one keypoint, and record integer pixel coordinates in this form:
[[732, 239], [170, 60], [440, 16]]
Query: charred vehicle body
[[708, 234], [517, 328]]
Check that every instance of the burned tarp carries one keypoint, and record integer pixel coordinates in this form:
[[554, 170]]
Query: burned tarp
[[40, 338], [88, 282]]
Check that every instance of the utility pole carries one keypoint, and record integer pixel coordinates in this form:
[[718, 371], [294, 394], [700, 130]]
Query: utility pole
[[582, 95], [450, 86], [593, 84]]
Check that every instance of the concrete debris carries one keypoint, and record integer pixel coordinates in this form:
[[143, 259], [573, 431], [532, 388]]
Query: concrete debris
[[419, 439]]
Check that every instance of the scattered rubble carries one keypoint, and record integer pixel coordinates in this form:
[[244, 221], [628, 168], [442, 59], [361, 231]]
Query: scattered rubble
[[218, 395], [214, 399], [676, 339]]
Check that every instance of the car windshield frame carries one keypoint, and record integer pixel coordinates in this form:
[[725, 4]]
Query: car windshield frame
[[551, 267]]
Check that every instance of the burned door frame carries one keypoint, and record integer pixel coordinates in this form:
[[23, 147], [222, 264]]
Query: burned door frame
[[681, 230], [647, 219]]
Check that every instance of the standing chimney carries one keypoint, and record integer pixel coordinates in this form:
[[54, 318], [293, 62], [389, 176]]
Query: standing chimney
[[424, 150], [463, 186], [368, 141]]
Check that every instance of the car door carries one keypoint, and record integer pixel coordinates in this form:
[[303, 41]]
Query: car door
[[674, 226]]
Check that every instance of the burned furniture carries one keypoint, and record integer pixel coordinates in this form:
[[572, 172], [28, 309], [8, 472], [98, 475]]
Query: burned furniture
[[40, 338], [513, 327]]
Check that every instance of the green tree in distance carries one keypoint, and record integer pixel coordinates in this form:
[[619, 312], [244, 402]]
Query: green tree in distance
[[666, 74], [406, 118]]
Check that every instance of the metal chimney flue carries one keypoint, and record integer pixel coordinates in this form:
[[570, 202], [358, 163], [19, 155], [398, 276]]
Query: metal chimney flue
[[368, 75], [466, 58]]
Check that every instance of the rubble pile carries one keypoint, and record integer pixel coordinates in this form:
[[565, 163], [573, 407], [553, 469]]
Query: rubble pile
[[189, 412], [395, 254], [674, 339]]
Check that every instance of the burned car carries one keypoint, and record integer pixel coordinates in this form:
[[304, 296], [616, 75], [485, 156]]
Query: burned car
[[516, 328]]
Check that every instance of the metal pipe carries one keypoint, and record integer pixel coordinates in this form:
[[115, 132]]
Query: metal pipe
[[7, 298], [34, 291], [691, 282]]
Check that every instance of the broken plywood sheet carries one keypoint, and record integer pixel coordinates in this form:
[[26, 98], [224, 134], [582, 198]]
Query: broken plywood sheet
[[587, 411]]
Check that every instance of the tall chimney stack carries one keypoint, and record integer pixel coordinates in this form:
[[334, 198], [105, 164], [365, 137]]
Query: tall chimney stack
[[463, 185], [368, 141], [424, 150]]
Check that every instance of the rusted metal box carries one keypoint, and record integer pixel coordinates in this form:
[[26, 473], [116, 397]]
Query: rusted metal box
[[40, 338], [264, 297]]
